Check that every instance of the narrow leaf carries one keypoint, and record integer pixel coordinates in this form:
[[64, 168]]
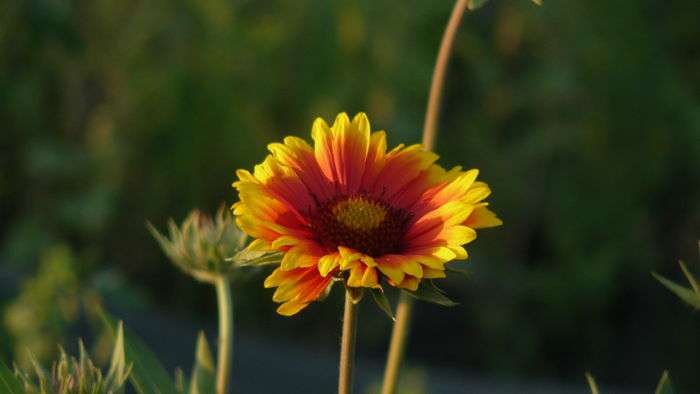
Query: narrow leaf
[[180, 381], [148, 376], [9, 383], [247, 258], [203, 374], [664, 386], [690, 277], [427, 291], [118, 369], [475, 4], [683, 293], [592, 384], [383, 303], [461, 271]]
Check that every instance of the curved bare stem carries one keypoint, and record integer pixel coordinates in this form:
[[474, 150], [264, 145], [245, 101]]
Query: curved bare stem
[[403, 313], [443, 57]]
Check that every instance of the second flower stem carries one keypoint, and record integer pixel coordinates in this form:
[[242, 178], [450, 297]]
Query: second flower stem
[[347, 345], [223, 296], [398, 343], [403, 310]]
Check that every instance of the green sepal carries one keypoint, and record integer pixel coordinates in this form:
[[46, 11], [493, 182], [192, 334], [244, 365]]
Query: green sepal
[[461, 271], [475, 4], [246, 258], [427, 291], [382, 302], [685, 294]]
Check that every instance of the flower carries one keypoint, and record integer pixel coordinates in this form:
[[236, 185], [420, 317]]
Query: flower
[[347, 208]]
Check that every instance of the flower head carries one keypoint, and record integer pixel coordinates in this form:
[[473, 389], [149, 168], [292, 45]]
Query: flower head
[[202, 246], [348, 208]]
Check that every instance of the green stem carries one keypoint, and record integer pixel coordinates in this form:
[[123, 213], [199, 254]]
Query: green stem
[[403, 310], [347, 346], [398, 343], [223, 296], [439, 72]]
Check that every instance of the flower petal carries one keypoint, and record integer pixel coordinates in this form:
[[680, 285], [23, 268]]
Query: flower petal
[[296, 288], [482, 217]]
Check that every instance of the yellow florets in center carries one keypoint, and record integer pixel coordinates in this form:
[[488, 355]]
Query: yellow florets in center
[[359, 213], [368, 225]]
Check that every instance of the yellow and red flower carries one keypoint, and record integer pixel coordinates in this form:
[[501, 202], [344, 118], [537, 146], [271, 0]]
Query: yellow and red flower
[[347, 207]]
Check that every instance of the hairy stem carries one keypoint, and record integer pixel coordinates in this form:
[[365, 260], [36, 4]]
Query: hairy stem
[[347, 346], [223, 369], [399, 333]]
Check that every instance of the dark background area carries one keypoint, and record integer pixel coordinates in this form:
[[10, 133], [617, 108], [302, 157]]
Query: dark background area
[[584, 117]]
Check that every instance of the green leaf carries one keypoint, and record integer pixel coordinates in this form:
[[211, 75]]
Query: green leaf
[[148, 376], [180, 381], [9, 383], [461, 271], [383, 302], [246, 258], [592, 384], [203, 372], [119, 369], [690, 277], [475, 4], [427, 291], [538, 2], [683, 293], [664, 386]]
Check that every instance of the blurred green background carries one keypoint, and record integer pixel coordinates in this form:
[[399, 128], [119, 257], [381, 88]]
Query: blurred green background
[[584, 117]]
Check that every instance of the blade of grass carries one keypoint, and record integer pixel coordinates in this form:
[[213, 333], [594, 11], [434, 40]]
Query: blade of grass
[[592, 384], [148, 376], [8, 381]]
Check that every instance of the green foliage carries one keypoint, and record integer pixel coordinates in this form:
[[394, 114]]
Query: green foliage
[[429, 292], [69, 375], [248, 258], [9, 382], [690, 295], [47, 304], [148, 375], [587, 131], [203, 379], [456, 270], [663, 387], [382, 302], [474, 4]]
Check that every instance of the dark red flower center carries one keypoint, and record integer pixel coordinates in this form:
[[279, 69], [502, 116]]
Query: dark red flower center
[[367, 225]]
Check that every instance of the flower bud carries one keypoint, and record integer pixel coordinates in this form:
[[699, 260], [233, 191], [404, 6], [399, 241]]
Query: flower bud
[[202, 246]]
